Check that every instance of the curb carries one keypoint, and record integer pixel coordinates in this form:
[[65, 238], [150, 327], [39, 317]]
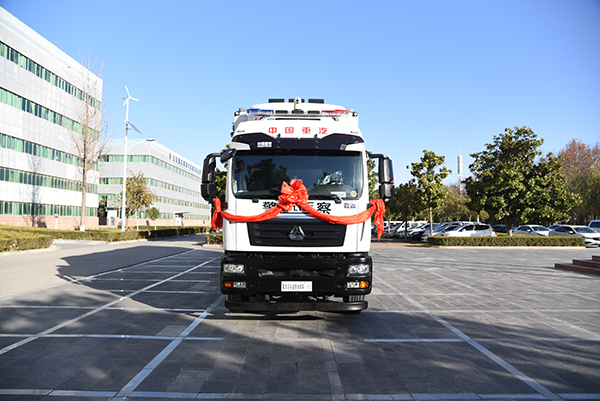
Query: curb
[[51, 248]]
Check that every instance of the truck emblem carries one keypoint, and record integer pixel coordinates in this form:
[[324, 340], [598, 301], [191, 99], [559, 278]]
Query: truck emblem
[[296, 234]]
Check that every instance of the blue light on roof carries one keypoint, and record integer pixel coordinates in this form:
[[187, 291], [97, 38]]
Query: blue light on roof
[[259, 111]]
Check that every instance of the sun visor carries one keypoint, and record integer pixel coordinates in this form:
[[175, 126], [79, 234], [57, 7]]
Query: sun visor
[[329, 142]]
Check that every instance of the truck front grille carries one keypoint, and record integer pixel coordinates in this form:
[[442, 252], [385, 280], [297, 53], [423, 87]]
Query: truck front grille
[[286, 272], [296, 233]]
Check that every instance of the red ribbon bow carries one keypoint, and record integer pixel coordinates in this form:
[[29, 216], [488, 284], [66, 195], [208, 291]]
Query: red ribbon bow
[[295, 194]]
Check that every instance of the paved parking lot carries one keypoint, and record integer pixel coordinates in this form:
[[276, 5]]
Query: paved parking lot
[[442, 324]]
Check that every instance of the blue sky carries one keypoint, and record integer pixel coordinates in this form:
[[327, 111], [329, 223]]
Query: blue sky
[[444, 75]]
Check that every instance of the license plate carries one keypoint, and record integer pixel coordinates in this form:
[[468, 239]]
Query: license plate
[[296, 286]]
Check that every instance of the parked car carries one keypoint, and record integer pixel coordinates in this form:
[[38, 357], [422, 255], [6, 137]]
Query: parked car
[[471, 230], [553, 226], [589, 235], [402, 229], [418, 227], [442, 228], [417, 233], [595, 225], [532, 229], [499, 228]]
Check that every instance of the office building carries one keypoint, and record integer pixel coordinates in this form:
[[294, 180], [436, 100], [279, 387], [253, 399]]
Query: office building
[[42, 94], [174, 180]]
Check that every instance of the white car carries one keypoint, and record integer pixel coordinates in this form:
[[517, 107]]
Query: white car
[[442, 228], [532, 229], [589, 235], [595, 225], [471, 230], [401, 229], [400, 233]]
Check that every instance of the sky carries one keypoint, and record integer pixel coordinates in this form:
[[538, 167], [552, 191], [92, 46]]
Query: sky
[[438, 75]]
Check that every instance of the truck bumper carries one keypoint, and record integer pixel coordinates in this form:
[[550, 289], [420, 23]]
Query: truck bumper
[[323, 306], [264, 284]]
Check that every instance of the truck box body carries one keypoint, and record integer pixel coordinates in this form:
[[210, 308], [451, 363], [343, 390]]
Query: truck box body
[[295, 261]]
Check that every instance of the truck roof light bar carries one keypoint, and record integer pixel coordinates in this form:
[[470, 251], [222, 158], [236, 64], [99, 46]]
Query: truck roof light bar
[[260, 112], [335, 113], [299, 112]]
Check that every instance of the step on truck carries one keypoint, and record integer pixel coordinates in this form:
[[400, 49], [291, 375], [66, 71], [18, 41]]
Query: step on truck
[[296, 214]]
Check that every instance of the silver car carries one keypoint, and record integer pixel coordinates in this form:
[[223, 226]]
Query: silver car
[[532, 229], [590, 237], [471, 230]]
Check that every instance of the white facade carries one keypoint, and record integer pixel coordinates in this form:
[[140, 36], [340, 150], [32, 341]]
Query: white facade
[[173, 178], [40, 99]]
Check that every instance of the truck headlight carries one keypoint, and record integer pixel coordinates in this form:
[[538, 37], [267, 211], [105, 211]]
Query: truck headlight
[[358, 270], [234, 268]]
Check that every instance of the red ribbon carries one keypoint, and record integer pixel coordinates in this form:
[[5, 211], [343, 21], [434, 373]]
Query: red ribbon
[[295, 194]]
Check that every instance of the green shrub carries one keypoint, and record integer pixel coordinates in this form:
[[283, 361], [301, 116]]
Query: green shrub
[[21, 241], [16, 238], [517, 240], [214, 239]]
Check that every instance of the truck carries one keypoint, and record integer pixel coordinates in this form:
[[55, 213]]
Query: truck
[[296, 211]]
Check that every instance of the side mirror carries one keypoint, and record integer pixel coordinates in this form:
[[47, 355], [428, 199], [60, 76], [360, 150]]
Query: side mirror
[[228, 154], [386, 191], [386, 171], [386, 176], [207, 188]]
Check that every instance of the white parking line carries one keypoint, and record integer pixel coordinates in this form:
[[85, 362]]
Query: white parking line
[[78, 394], [149, 368], [508, 367], [94, 311]]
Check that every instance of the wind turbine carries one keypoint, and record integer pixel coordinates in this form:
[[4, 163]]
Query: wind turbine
[[127, 123]]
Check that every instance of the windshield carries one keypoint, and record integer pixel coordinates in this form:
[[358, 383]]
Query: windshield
[[583, 230], [325, 174]]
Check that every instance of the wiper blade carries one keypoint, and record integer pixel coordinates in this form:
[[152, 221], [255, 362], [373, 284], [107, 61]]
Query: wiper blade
[[337, 198]]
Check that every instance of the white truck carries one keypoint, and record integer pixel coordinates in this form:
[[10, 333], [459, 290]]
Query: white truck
[[298, 257]]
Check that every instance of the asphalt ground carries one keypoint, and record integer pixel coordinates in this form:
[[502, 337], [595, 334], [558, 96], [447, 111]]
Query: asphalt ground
[[146, 321]]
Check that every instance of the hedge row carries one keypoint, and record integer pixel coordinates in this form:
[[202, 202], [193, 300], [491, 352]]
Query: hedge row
[[214, 239], [15, 238], [517, 240], [21, 241]]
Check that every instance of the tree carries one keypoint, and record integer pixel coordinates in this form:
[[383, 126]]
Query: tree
[[139, 197], [372, 175], [579, 158], [88, 135], [509, 183], [403, 206], [428, 176], [582, 171], [153, 214], [102, 208], [454, 207]]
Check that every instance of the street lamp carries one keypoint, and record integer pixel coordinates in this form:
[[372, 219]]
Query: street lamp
[[123, 217]]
